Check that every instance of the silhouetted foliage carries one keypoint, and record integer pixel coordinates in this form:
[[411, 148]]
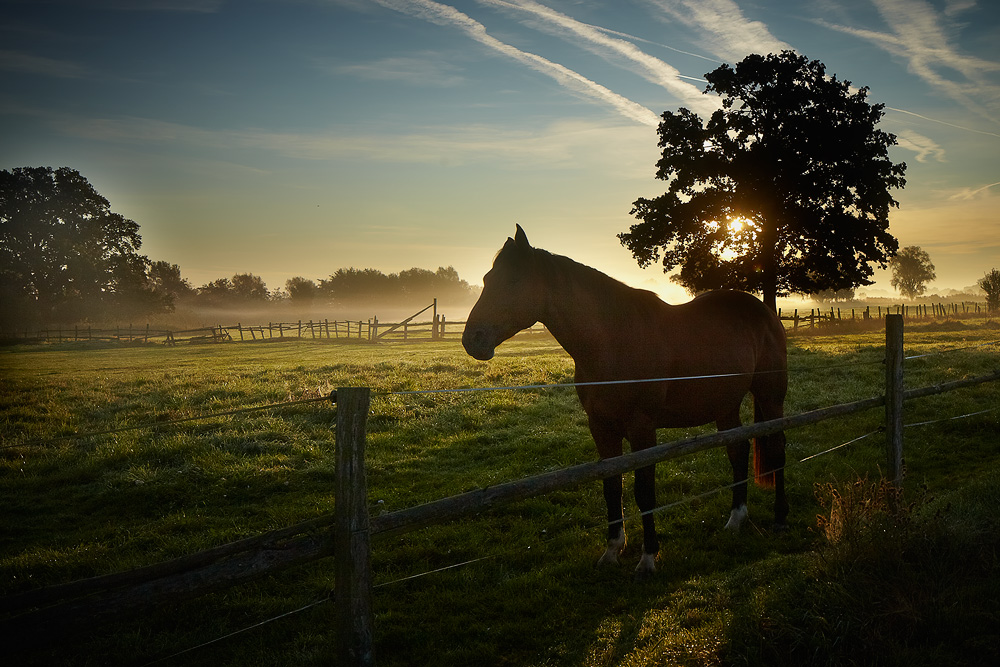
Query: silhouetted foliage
[[846, 294], [911, 271], [64, 255], [785, 189], [990, 283], [165, 278], [243, 289], [412, 286], [301, 290]]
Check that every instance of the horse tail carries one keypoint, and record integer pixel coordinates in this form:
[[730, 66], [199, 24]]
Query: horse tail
[[768, 453]]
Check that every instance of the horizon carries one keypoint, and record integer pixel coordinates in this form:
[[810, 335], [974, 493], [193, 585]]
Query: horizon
[[281, 139]]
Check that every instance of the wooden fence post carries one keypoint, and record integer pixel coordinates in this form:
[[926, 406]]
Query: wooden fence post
[[353, 586], [894, 398]]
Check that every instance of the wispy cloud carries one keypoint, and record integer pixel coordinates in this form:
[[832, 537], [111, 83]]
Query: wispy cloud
[[566, 144], [445, 15], [919, 35], [944, 122], [972, 193], [26, 63], [594, 39], [923, 146], [427, 70], [724, 29]]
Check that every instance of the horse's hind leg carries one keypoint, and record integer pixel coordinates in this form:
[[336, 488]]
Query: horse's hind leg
[[739, 459], [769, 450]]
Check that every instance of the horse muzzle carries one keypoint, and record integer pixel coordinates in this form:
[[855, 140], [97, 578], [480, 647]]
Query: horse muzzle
[[480, 342]]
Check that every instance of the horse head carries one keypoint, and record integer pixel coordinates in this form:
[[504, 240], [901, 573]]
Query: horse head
[[510, 301]]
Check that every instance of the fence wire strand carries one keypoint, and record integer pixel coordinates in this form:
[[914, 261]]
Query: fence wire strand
[[224, 637]]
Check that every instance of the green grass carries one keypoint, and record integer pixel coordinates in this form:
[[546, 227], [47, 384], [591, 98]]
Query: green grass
[[80, 507]]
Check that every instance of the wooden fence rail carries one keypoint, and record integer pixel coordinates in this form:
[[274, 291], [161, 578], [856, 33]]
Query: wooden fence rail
[[69, 608], [436, 328], [922, 311]]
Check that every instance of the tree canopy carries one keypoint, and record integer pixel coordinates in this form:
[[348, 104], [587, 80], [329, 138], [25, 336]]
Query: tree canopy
[[64, 253], [990, 283], [785, 188], [911, 271]]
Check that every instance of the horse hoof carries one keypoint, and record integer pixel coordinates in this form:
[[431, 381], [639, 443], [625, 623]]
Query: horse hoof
[[780, 527], [736, 518], [646, 567], [615, 547]]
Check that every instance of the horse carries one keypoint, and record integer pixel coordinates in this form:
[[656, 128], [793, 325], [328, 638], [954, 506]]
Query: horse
[[720, 345]]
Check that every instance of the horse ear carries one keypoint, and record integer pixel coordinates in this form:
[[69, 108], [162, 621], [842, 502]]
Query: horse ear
[[520, 237]]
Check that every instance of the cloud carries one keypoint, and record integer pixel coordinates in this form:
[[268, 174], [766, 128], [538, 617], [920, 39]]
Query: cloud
[[419, 71], [944, 122], [448, 16], [26, 63], [970, 193], [919, 35], [724, 29], [923, 146], [595, 39], [565, 144]]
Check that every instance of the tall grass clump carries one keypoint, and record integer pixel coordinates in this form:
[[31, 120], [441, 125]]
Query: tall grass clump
[[895, 582]]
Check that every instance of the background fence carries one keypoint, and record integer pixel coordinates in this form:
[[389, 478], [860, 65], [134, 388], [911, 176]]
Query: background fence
[[345, 331], [60, 611], [836, 314], [436, 328]]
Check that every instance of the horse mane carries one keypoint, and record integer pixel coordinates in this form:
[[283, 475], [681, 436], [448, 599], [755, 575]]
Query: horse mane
[[616, 295]]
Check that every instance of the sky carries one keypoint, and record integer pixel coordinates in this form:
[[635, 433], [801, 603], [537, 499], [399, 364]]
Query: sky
[[295, 137]]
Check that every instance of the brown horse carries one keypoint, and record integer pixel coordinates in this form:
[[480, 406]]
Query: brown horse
[[617, 333]]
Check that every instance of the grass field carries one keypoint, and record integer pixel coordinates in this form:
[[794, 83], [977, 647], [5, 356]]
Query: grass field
[[879, 580]]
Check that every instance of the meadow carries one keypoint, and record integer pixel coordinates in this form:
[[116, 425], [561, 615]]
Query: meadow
[[862, 575]]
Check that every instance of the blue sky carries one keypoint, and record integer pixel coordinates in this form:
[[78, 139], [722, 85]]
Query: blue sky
[[293, 138]]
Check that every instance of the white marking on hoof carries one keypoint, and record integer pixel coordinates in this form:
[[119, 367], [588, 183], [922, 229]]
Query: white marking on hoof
[[736, 518], [646, 566], [615, 547]]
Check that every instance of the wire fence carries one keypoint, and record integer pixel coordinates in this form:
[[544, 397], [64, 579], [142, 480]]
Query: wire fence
[[662, 508], [500, 553]]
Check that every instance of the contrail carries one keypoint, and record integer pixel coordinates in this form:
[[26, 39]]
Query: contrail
[[653, 69], [944, 122], [446, 15]]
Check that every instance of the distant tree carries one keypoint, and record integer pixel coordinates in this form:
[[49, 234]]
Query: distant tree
[[248, 287], [243, 288], [165, 278], [352, 284], [785, 189], [846, 294], [911, 271], [216, 293], [301, 290], [442, 284], [64, 254], [990, 283]]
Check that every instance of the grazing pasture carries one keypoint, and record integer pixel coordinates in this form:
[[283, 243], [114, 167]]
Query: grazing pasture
[[879, 579]]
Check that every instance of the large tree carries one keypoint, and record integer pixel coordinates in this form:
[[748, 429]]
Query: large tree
[[911, 269], [63, 253], [785, 188]]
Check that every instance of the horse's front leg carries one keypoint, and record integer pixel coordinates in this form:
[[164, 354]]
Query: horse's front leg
[[739, 459], [645, 498], [609, 444], [616, 521]]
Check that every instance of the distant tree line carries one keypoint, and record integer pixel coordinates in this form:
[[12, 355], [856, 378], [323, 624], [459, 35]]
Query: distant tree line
[[345, 287], [66, 257]]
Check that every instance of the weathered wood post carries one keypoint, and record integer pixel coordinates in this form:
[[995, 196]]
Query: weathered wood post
[[434, 321], [353, 586], [894, 398]]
